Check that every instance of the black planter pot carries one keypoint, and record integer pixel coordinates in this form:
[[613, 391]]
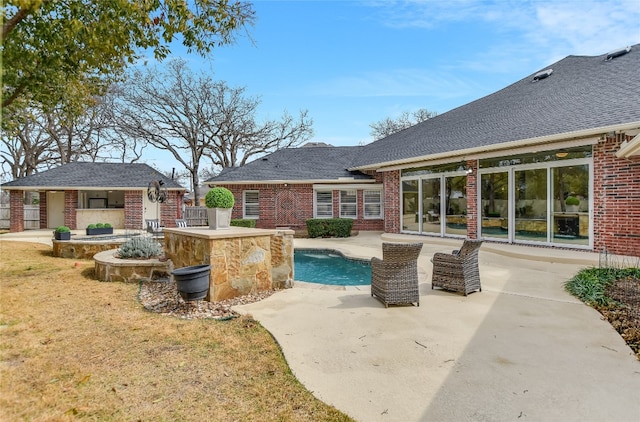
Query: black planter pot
[[62, 235], [99, 230], [192, 282]]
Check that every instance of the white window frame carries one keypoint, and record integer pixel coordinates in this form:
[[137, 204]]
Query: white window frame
[[380, 203], [245, 214], [346, 205], [324, 203]]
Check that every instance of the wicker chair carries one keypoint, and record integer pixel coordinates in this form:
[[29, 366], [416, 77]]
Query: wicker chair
[[458, 271], [394, 278]]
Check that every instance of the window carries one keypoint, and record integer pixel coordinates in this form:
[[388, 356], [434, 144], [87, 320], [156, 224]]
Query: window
[[372, 203], [324, 204], [348, 204], [251, 207]]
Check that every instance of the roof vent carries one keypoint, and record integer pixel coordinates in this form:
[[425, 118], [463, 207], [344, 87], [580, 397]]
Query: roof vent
[[617, 53], [542, 75]]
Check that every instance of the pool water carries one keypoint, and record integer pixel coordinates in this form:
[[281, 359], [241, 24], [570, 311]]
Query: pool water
[[330, 267]]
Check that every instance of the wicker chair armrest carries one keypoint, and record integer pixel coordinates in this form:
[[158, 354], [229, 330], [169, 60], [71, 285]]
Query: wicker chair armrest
[[445, 257]]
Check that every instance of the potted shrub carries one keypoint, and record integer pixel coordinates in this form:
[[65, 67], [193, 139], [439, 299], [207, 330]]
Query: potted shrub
[[62, 233], [572, 203], [99, 228], [219, 202]]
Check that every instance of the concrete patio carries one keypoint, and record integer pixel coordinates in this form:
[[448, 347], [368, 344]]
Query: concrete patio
[[522, 349]]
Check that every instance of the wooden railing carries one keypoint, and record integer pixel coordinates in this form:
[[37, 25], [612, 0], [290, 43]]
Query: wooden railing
[[196, 216]]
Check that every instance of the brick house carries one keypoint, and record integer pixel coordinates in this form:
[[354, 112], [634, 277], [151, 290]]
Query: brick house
[[551, 160], [79, 194]]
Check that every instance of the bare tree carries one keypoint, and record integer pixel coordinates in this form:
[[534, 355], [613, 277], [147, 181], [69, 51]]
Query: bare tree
[[196, 117], [25, 145], [33, 140], [388, 126]]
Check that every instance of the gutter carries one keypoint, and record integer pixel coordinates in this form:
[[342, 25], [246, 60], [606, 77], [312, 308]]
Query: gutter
[[341, 180], [63, 188]]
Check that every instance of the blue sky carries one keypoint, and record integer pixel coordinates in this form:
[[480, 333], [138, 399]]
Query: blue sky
[[353, 63]]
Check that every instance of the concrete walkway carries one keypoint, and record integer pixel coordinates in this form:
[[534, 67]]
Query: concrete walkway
[[522, 349]]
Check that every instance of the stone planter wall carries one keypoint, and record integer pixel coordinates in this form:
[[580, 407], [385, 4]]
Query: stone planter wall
[[83, 249], [242, 260]]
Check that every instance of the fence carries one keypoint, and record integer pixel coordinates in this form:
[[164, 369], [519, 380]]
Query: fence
[[196, 216], [31, 217]]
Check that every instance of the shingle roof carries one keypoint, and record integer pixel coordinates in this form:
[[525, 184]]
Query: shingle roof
[[582, 93], [97, 175], [310, 163]]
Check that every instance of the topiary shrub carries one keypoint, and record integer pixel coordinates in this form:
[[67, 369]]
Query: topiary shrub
[[572, 200], [99, 225], [107, 226], [219, 197], [91, 226], [140, 247], [63, 229]]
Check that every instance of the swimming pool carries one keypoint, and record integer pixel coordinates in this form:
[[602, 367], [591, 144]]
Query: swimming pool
[[326, 266]]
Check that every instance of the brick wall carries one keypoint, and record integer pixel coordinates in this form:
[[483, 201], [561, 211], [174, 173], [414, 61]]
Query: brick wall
[[70, 206], [133, 210], [44, 223], [616, 199], [391, 180], [16, 210], [290, 205], [171, 209]]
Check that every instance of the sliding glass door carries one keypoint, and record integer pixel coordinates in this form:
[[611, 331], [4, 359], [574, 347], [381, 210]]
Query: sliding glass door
[[494, 205], [455, 205], [531, 205], [571, 204], [431, 205], [537, 198]]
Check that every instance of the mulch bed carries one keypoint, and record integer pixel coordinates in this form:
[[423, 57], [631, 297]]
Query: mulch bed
[[162, 297], [625, 318]]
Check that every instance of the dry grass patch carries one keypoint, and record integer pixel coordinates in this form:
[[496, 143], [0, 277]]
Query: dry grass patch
[[73, 348]]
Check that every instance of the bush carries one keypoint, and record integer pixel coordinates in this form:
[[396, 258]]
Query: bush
[[99, 226], [237, 222], [62, 229], [590, 284], [140, 247], [219, 197], [329, 227]]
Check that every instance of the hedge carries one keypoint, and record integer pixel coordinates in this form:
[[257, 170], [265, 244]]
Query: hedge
[[237, 222], [329, 227]]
